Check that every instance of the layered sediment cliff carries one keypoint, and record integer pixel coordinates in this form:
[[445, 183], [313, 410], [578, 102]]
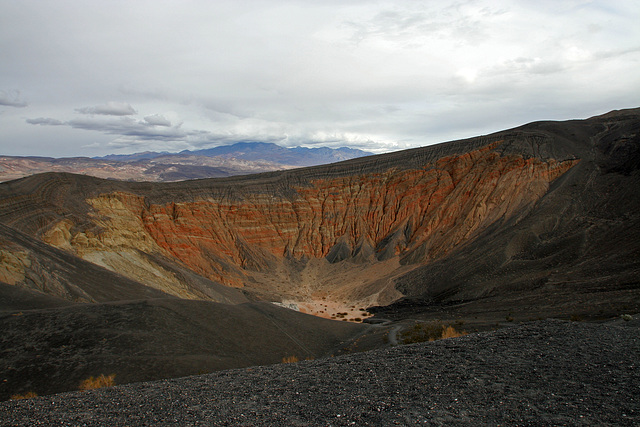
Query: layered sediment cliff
[[407, 215]]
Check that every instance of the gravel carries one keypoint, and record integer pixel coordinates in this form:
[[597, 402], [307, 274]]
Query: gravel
[[540, 373]]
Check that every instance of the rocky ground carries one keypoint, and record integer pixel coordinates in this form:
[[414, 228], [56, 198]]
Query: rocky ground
[[539, 373], [49, 351]]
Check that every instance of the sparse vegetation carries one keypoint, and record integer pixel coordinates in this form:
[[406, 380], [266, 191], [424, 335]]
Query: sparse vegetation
[[451, 332], [290, 359], [576, 318], [626, 317], [27, 395], [421, 332], [101, 381]]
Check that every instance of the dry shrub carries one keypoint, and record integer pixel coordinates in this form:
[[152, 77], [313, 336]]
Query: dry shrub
[[290, 359], [451, 332], [27, 395], [98, 382], [422, 332]]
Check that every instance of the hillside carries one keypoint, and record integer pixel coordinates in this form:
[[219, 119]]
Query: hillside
[[52, 350], [541, 373], [534, 222]]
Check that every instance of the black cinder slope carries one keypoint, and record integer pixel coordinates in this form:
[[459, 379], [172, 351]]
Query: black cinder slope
[[14, 299], [53, 350], [541, 373]]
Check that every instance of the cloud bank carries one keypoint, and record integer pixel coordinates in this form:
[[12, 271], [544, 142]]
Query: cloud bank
[[151, 128], [379, 76]]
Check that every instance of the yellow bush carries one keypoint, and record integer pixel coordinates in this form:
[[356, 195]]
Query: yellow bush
[[27, 395], [98, 382], [289, 359], [432, 331], [451, 332]]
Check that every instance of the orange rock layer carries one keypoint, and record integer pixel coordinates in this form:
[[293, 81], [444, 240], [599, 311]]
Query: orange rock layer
[[417, 214]]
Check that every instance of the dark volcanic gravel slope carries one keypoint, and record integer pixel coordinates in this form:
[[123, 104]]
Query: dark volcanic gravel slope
[[542, 373], [53, 350]]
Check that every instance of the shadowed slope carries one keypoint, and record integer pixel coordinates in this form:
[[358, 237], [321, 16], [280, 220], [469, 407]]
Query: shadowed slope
[[543, 373], [13, 299], [576, 253], [153, 339]]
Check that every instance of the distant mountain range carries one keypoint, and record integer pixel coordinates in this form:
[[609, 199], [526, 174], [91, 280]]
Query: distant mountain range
[[258, 151], [237, 159]]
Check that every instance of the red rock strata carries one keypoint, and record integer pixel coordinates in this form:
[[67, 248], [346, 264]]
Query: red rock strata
[[416, 214]]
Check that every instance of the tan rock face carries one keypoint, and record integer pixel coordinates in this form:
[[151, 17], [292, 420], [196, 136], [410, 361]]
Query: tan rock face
[[120, 245], [415, 215], [13, 265]]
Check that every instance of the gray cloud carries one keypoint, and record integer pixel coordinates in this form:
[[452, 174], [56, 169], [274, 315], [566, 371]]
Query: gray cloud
[[12, 98], [378, 75], [129, 127], [146, 130], [109, 109], [45, 121], [157, 120]]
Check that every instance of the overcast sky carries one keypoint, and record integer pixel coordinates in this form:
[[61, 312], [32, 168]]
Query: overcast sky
[[88, 78]]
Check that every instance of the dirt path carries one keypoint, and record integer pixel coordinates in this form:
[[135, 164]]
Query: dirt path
[[393, 335]]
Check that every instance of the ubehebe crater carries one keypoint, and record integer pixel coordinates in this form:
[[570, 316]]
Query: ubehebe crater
[[533, 222]]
